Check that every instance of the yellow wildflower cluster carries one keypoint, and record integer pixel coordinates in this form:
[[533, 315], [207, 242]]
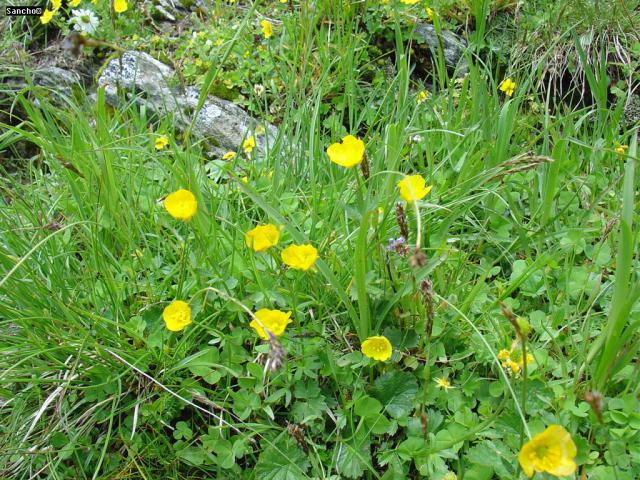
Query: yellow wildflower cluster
[[161, 142], [621, 150], [267, 28], [552, 451], [512, 360], [119, 6], [422, 96], [351, 151], [298, 257]]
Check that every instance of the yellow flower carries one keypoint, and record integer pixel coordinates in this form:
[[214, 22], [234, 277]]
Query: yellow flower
[[46, 16], [422, 97], [514, 366], [56, 4], [347, 154], [378, 348], [260, 130], [229, 156], [504, 354], [273, 320], [245, 179], [409, 2], [529, 360], [181, 204], [74, 3], [413, 187], [267, 28], [177, 315], [249, 144], [120, 6], [161, 142], [430, 14], [262, 237], [507, 86], [551, 451], [621, 150], [443, 383], [300, 257]]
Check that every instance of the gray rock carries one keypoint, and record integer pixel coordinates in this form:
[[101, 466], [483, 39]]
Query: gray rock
[[165, 10], [453, 46], [632, 111], [60, 82], [139, 77], [57, 78]]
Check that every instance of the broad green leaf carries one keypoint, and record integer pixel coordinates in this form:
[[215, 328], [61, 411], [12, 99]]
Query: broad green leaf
[[283, 460], [396, 391]]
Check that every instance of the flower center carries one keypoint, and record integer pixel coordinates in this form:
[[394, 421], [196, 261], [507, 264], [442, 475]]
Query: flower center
[[541, 451]]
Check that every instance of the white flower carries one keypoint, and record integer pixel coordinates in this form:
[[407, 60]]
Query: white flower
[[84, 21]]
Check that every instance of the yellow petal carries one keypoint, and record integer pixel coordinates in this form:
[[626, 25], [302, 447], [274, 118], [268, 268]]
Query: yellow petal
[[181, 204], [120, 6], [413, 187], [348, 153], [262, 237], [378, 348], [299, 257], [177, 315], [275, 321]]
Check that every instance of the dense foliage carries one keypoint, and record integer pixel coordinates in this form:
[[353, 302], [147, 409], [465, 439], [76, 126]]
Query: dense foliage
[[429, 273]]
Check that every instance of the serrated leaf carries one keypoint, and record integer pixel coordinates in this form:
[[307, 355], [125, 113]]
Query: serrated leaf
[[282, 460], [396, 391], [352, 458], [379, 424], [401, 339]]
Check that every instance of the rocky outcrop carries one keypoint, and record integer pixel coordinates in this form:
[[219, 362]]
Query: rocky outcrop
[[138, 77], [453, 46]]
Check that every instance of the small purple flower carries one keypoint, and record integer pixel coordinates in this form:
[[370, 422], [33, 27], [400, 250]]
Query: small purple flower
[[399, 245]]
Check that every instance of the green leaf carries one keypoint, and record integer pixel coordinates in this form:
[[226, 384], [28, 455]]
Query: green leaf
[[192, 455], [379, 425], [352, 458], [401, 339], [396, 391], [282, 460], [182, 431], [367, 407]]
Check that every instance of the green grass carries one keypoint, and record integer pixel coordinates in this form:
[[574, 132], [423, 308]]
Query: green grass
[[531, 208]]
